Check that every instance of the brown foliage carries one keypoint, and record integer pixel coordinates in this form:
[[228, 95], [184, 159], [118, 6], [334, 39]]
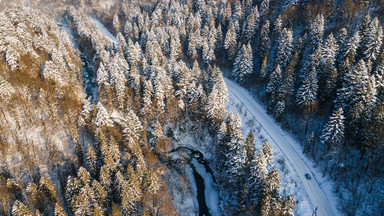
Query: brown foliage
[[163, 146]]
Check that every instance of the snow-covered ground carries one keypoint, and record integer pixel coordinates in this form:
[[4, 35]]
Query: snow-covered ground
[[289, 160], [104, 30]]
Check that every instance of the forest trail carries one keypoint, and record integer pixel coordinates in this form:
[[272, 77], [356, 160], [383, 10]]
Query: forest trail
[[284, 142]]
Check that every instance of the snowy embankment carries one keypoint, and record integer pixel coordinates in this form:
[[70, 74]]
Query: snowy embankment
[[310, 194]]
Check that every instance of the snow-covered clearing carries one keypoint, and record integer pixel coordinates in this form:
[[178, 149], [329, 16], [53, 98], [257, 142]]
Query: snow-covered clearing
[[104, 30], [309, 194]]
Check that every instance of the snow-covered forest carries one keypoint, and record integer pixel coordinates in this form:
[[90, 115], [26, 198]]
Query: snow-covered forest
[[117, 107]]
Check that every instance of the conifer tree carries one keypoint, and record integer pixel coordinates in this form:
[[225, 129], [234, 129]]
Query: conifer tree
[[307, 93], [6, 89], [230, 41], [103, 118], [215, 107], [20, 209], [268, 152], [287, 89], [264, 68], [280, 110], [83, 202], [250, 147], [12, 58], [116, 23], [236, 156], [316, 32], [333, 132], [257, 179], [243, 66], [350, 51], [265, 41], [59, 211], [357, 87], [273, 182], [372, 38], [100, 194], [277, 26], [251, 25], [288, 206], [219, 39], [328, 72], [285, 48], [274, 81], [92, 162], [158, 131], [208, 53]]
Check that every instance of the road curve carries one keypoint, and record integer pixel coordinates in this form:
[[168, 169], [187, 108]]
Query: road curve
[[276, 135]]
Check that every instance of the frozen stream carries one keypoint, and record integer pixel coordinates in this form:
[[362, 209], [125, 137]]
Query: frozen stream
[[207, 192]]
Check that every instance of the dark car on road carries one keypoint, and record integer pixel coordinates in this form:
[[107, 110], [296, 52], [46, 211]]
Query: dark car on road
[[307, 176]]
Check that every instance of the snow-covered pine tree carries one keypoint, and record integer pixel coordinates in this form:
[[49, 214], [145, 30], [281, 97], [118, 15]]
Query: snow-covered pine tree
[[307, 94], [194, 42], [114, 151], [208, 53], [20, 209], [147, 95], [59, 211], [333, 132], [6, 90], [133, 127], [287, 89], [243, 66], [372, 38], [351, 48], [116, 23], [327, 70], [268, 152], [158, 131], [99, 193], [131, 193], [230, 42], [279, 110], [83, 202], [265, 41], [250, 147], [159, 94], [355, 86], [273, 182], [264, 68], [288, 206], [219, 39], [102, 118], [257, 179], [218, 99], [277, 26], [236, 156], [92, 162], [274, 81], [316, 34], [12, 57], [251, 25], [284, 48]]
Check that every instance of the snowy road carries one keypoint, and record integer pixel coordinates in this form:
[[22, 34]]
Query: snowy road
[[285, 143]]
